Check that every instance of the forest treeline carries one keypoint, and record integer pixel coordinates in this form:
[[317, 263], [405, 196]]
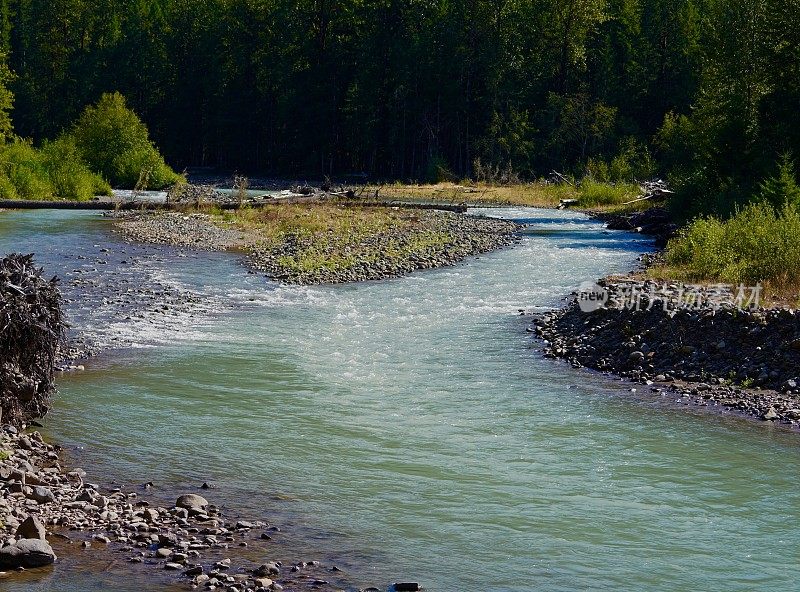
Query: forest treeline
[[705, 91]]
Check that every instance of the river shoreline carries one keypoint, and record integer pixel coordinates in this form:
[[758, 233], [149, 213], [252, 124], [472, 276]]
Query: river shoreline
[[191, 541], [705, 346]]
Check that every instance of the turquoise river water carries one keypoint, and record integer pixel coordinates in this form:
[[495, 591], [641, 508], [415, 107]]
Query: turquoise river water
[[409, 429]]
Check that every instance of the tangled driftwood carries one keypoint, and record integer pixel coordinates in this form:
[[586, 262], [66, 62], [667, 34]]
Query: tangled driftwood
[[31, 329]]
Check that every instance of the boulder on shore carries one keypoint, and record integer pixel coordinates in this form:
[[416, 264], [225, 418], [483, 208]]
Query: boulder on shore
[[27, 553], [31, 528], [191, 501]]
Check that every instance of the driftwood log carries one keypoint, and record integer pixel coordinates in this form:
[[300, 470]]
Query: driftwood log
[[32, 328]]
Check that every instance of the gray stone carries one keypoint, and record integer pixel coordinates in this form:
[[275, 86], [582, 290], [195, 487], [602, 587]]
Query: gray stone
[[33, 479], [191, 501], [42, 495], [27, 553], [167, 539], [31, 528], [267, 569]]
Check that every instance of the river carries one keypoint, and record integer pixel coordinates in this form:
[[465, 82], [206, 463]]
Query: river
[[409, 429]]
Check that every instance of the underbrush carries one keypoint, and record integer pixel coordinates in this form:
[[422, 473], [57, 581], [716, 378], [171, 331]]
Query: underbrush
[[327, 220], [108, 145], [536, 194], [757, 244], [56, 170], [589, 193]]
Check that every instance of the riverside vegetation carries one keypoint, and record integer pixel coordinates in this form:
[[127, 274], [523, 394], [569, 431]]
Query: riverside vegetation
[[587, 193], [699, 91], [107, 146]]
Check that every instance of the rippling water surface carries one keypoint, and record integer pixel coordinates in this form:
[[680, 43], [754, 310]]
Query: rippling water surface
[[408, 430]]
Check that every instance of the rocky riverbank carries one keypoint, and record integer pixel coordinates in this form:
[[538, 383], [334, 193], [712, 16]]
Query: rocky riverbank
[[709, 346], [655, 222], [114, 284], [193, 540], [401, 242]]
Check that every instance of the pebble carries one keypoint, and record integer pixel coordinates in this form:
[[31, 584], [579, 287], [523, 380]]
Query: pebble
[[172, 539]]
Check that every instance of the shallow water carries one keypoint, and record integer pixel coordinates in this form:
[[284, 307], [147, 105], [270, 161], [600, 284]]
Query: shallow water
[[408, 430]]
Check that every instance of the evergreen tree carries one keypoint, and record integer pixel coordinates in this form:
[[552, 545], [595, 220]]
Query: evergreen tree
[[782, 188]]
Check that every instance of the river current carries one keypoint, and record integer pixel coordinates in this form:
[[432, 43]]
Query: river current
[[407, 429]]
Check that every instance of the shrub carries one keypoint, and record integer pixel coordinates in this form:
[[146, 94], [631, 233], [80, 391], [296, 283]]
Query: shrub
[[633, 162], [22, 169], [56, 170], [115, 143], [68, 173], [758, 244], [7, 189], [598, 169]]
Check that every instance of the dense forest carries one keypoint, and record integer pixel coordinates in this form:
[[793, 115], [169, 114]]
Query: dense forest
[[706, 91]]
